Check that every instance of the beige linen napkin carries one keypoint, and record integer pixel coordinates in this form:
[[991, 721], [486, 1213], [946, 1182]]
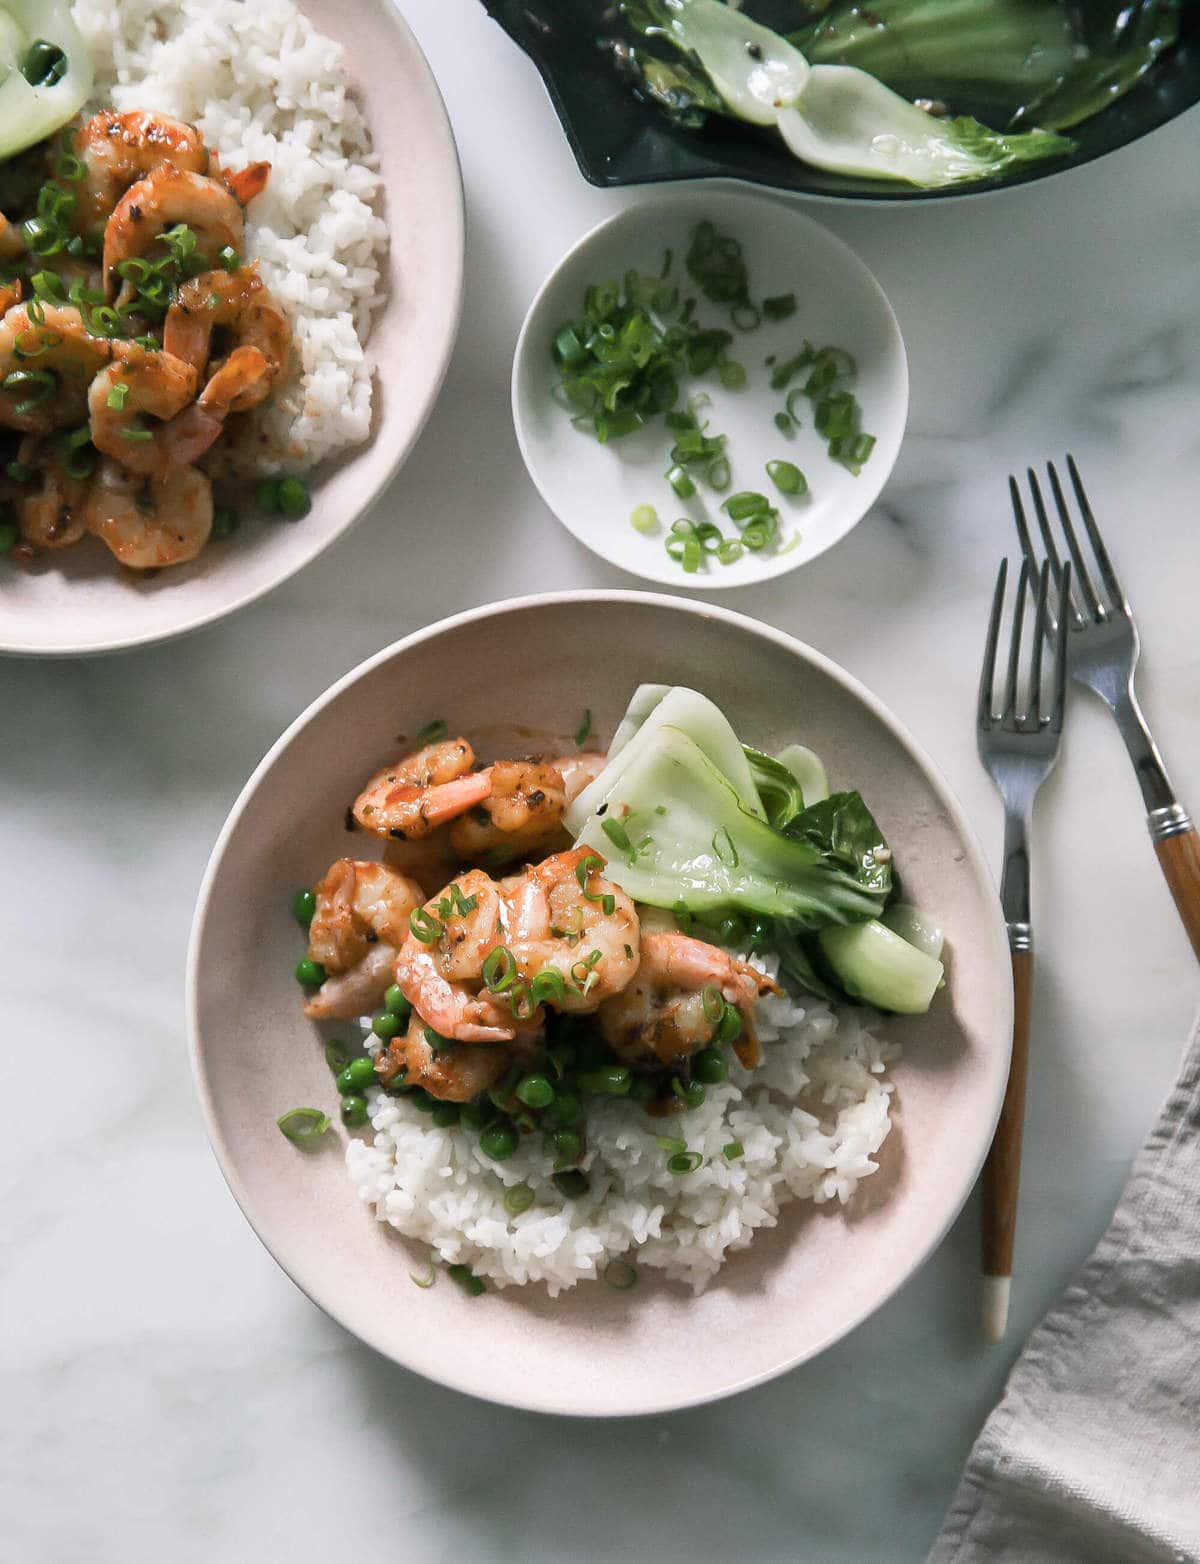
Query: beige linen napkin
[[1093, 1455]]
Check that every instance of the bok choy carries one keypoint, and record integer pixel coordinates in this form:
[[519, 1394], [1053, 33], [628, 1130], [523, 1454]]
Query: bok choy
[[812, 89], [726, 835], [45, 71]]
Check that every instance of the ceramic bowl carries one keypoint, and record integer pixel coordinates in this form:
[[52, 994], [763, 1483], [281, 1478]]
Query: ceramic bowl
[[800, 1286], [618, 140], [593, 488], [80, 601]]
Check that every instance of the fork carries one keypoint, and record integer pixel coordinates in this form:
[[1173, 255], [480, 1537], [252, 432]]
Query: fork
[[1018, 747], [1102, 652]]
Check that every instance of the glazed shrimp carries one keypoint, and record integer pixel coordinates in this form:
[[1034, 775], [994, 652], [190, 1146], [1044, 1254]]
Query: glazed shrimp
[[190, 433], [11, 244], [457, 1074], [167, 196], [360, 922], [524, 811], [52, 514], [563, 915], [666, 1012], [131, 403], [47, 360], [150, 522], [441, 976], [414, 796], [117, 150], [239, 303]]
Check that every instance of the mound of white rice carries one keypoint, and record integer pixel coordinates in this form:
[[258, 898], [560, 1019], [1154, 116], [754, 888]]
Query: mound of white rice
[[261, 84], [811, 1119]]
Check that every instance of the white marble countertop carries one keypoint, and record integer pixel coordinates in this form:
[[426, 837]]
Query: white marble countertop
[[167, 1393]]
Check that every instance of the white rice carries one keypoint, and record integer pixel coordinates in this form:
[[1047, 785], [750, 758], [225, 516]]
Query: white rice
[[262, 84], [811, 1120]]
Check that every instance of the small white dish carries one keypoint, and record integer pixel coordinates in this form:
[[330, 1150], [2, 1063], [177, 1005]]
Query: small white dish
[[593, 488]]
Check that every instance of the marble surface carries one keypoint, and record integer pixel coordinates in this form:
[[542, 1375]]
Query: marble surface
[[167, 1393]]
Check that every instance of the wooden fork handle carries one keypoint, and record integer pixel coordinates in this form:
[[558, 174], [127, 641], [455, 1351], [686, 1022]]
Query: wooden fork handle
[[1179, 856], [1002, 1170]]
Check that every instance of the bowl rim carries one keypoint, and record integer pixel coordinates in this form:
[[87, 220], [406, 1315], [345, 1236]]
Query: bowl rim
[[455, 281], [721, 187], [994, 932]]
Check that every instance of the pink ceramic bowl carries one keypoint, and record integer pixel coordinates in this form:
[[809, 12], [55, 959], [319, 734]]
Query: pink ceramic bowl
[[79, 601], [801, 1285]]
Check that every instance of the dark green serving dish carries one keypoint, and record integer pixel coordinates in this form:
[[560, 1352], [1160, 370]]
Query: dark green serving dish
[[618, 140]]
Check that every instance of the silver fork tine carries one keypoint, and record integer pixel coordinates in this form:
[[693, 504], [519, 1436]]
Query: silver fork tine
[[1115, 591], [987, 678], [1040, 631], [1060, 653], [1009, 713], [1064, 515], [1018, 507], [1048, 542]]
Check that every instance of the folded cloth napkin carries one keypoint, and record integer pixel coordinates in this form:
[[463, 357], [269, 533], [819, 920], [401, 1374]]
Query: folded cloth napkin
[[1093, 1454]]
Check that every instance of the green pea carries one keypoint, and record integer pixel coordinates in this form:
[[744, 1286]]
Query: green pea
[[354, 1112], [422, 1101], [535, 1091], [395, 1003], [567, 1146], [612, 1080], [8, 536], [266, 496], [571, 1184], [293, 498], [304, 905], [709, 1066], [563, 1111], [309, 972], [498, 1141], [473, 1116], [385, 1025], [357, 1074], [225, 520], [445, 1114]]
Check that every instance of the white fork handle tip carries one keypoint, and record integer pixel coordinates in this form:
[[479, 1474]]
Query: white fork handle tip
[[993, 1317]]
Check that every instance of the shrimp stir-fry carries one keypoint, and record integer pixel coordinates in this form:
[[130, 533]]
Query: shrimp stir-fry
[[511, 983], [132, 337]]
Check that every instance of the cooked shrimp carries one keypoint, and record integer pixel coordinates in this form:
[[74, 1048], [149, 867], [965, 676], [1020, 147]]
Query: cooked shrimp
[[245, 183], [238, 302], [412, 797], [455, 1074], [523, 813], [11, 293], [188, 435], [442, 977], [55, 343], [360, 922], [167, 196], [117, 150], [150, 522], [558, 921], [140, 384], [11, 243], [52, 513], [664, 1014]]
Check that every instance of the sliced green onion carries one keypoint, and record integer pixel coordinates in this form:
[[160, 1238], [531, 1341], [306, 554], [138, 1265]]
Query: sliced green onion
[[499, 969], [730, 1028], [666, 1143], [117, 394], [780, 306], [336, 1056], [683, 916], [617, 835], [583, 731], [137, 434], [684, 1162], [679, 480], [784, 424], [794, 398], [425, 926], [713, 1001], [787, 477], [732, 375], [732, 1150], [517, 1199], [427, 1280], [643, 519], [730, 551], [229, 258], [690, 1093], [620, 1275], [745, 504], [302, 1126], [432, 733], [746, 317], [718, 474], [548, 984], [686, 552], [465, 1277], [584, 974]]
